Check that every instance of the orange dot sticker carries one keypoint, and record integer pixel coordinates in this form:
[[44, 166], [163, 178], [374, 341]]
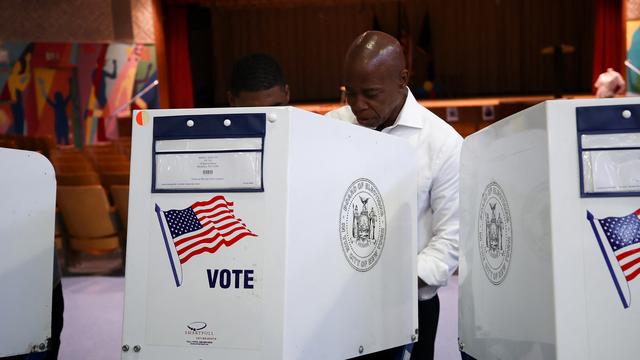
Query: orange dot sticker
[[142, 118]]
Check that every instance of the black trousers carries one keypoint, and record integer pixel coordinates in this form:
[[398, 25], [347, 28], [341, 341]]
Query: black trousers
[[428, 315], [57, 320]]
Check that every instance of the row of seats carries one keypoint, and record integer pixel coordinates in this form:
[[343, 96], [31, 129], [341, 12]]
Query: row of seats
[[93, 190], [92, 201], [91, 225], [41, 144]]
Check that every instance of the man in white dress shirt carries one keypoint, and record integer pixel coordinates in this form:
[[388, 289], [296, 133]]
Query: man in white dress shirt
[[378, 97]]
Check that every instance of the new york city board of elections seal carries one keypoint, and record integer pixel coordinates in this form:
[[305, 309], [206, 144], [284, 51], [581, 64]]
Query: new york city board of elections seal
[[362, 225], [494, 233]]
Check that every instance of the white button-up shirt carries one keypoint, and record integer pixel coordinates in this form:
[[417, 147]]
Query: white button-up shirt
[[437, 147]]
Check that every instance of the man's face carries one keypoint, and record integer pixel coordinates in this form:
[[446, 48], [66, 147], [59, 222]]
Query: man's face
[[373, 93], [275, 96]]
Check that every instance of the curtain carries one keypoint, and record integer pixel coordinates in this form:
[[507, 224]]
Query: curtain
[[608, 37], [178, 61]]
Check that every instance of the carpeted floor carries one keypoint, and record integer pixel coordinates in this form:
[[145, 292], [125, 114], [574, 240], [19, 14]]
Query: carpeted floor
[[93, 319]]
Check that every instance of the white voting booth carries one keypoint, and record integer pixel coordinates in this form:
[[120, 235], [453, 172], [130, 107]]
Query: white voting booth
[[550, 232], [267, 233], [27, 213]]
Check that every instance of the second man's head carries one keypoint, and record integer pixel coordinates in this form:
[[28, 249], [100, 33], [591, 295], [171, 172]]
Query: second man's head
[[257, 80]]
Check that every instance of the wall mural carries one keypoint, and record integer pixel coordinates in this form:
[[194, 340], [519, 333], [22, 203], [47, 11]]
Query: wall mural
[[74, 93], [633, 56]]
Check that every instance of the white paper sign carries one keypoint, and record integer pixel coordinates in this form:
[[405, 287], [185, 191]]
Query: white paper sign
[[209, 170], [611, 141], [612, 171]]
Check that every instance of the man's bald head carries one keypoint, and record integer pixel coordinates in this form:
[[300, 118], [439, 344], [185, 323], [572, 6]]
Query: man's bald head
[[376, 79], [375, 49]]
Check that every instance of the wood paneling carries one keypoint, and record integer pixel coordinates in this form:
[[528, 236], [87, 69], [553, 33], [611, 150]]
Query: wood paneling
[[309, 42], [480, 47], [484, 47]]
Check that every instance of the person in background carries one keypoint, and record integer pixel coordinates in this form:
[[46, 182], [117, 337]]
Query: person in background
[[376, 89], [257, 80], [609, 84]]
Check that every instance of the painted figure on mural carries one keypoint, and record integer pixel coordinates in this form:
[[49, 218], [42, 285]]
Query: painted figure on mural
[[18, 81], [101, 93], [17, 108], [59, 105]]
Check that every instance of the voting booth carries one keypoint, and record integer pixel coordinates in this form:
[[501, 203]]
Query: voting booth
[[267, 233], [550, 233], [27, 225]]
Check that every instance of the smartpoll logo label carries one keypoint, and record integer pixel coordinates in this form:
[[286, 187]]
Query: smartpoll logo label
[[197, 325], [619, 242], [197, 335], [203, 227]]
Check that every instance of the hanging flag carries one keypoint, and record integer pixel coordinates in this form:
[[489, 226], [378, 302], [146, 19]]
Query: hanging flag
[[404, 34], [425, 45], [375, 26], [203, 227], [622, 235]]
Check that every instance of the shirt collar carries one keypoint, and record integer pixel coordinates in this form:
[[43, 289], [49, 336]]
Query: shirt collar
[[409, 115]]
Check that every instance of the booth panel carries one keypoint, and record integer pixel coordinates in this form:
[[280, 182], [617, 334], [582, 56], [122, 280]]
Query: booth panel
[[595, 313], [351, 290], [581, 230], [204, 277], [27, 210], [505, 298]]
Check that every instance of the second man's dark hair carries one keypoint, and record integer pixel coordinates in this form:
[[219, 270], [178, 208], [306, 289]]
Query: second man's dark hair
[[256, 72]]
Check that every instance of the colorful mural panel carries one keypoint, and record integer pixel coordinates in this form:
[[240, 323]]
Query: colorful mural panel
[[73, 92]]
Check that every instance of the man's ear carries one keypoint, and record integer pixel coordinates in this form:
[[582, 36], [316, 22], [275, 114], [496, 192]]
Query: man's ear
[[404, 78], [231, 99], [286, 92]]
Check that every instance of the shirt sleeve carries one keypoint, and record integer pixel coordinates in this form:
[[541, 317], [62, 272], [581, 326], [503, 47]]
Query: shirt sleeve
[[439, 259]]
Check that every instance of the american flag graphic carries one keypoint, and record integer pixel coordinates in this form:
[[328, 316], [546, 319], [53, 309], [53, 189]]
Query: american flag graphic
[[623, 236], [203, 227]]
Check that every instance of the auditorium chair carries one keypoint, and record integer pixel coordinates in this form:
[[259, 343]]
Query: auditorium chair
[[120, 194], [75, 179], [108, 179], [58, 153], [113, 167], [70, 158], [8, 143], [109, 158], [90, 222], [99, 149], [72, 167], [123, 145]]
